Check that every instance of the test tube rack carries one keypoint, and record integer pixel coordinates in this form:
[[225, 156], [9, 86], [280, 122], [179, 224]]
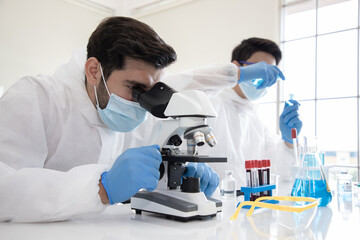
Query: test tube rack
[[248, 190]]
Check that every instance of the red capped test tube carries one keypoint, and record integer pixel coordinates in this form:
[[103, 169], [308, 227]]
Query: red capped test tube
[[248, 173], [249, 176], [266, 174], [260, 174], [256, 177]]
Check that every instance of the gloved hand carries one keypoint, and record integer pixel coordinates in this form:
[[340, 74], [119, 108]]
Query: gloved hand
[[268, 73], [209, 180], [289, 119], [136, 168]]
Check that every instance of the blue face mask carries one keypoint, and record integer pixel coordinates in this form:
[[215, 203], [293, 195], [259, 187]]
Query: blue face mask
[[250, 91], [120, 115]]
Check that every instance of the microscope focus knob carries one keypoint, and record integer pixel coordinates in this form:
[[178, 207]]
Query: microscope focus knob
[[190, 184]]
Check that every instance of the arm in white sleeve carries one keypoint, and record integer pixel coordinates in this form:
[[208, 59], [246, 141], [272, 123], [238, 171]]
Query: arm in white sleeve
[[42, 195], [28, 192], [211, 79]]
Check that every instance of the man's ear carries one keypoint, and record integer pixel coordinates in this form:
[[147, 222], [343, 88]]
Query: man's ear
[[92, 71], [236, 63]]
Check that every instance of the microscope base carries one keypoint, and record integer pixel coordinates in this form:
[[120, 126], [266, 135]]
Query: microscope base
[[177, 218], [176, 205]]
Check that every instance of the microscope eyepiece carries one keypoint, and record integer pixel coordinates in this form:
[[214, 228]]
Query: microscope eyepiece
[[136, 91], [155, 100]]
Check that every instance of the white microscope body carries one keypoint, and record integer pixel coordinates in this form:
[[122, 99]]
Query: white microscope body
[[175, 197]]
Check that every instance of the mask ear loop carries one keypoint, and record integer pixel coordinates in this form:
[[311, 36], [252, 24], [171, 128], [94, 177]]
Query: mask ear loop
[[102, 74], [96, 97], [103, 78]]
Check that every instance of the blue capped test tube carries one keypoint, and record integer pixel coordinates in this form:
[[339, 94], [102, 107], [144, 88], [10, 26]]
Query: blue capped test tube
[[291, 97], [257, 82]]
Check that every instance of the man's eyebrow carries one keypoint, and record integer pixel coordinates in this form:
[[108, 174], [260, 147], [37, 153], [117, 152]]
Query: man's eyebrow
[[135, 83]]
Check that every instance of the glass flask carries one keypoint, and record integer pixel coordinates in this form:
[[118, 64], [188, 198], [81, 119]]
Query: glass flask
[[310, 180]]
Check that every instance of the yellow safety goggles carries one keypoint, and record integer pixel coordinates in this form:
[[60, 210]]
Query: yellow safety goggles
[[298, 209]]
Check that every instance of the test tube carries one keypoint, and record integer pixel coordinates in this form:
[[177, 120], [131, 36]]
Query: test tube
[[291, 97], [257, 82], [264, 180], [294, 138], [256, 177], [248, 176], [267, 175], [260, 172], [248, 173], [268, 169], [253, 179]]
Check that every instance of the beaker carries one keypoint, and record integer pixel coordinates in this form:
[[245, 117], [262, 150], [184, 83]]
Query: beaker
[[344, 182], [310, 180]]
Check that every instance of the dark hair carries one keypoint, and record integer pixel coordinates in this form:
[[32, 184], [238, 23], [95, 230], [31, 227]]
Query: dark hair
[[119, 37], [249, 46]]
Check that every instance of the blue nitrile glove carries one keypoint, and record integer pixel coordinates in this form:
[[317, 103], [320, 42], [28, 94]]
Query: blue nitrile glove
[[209, 180], [268, 73], [289, 119], [135, 169]]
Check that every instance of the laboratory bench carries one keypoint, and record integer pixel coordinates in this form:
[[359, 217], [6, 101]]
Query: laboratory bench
[[339, 220]]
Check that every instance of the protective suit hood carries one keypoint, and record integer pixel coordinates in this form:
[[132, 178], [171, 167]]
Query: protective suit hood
[[242, 105], [73, 72]]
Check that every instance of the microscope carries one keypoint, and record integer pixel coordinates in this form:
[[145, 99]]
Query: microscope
[[184, 120]]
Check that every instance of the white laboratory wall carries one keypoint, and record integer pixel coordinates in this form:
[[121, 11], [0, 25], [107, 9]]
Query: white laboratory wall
[[206, 31], [38, 35]]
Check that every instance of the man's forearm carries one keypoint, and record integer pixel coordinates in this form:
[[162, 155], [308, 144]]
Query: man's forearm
[[102, 193]]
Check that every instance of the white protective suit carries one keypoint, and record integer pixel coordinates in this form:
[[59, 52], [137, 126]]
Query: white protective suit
[[53, 147], [240, 133]]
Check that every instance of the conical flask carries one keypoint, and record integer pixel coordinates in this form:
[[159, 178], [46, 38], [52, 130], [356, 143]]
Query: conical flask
[[310, 180]]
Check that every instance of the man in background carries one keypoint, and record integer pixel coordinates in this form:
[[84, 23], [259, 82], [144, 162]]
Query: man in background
[[240, 132]]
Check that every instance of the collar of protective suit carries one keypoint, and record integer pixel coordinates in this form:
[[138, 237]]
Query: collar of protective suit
[[241, 105], [72, 75]]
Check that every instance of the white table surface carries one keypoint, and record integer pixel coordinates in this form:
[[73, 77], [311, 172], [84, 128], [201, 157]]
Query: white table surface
[[337, 221]]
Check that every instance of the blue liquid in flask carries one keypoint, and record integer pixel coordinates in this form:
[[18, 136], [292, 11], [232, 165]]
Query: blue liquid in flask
[[312, 188]]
